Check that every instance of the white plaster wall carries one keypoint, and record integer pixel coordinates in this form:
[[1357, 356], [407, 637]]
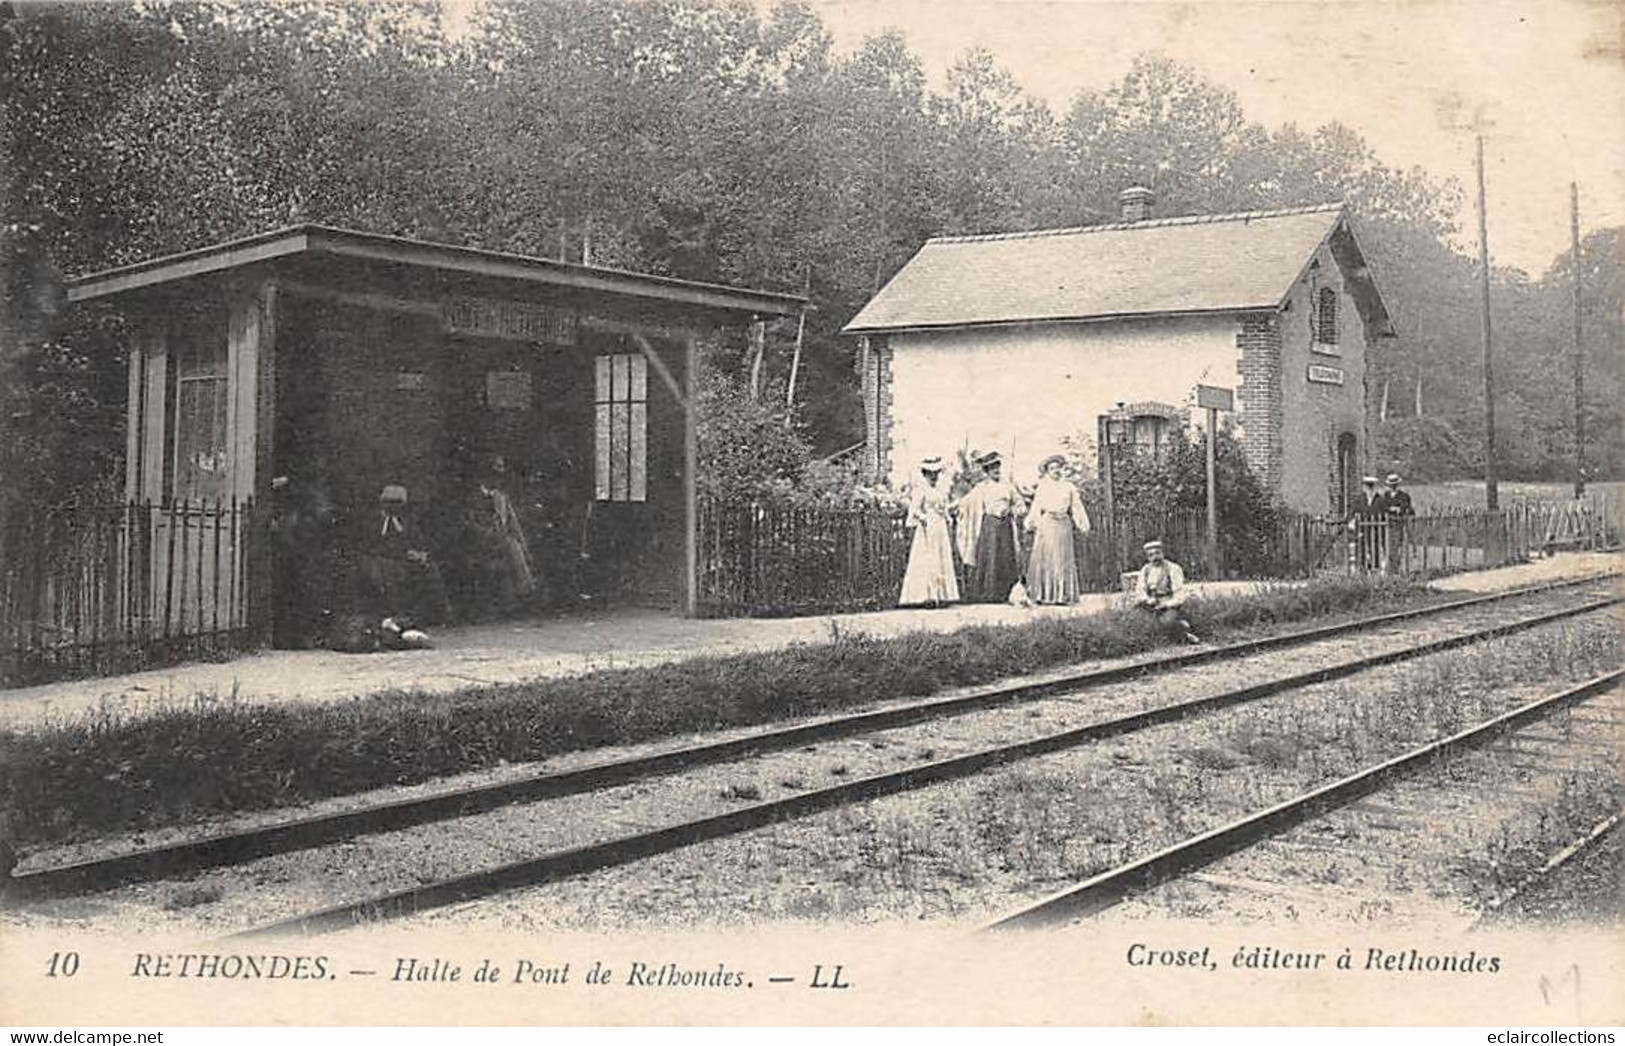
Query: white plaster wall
[[1023, 389]]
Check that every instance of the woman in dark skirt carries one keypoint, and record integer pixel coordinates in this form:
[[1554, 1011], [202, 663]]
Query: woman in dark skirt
[[988, 517]]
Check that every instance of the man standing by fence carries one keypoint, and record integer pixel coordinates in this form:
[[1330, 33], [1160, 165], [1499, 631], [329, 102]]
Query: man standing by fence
[[1400, 511], [1369, 522]]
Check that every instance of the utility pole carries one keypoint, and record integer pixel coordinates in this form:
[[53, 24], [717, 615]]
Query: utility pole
[[795, 360], [1492, 493], [1579, 365]]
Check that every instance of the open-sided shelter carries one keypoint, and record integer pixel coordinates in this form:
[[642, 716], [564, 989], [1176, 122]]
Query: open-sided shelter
[[317, 355]]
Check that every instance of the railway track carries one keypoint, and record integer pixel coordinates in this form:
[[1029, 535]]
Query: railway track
[[1165, 866], [575, 860], [238, 847], [1557, 864]]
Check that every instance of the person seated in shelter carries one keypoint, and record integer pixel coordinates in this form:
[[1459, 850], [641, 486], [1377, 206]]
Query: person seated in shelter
[[303, 525], [401, 586], [503, 571], [1162, 592]]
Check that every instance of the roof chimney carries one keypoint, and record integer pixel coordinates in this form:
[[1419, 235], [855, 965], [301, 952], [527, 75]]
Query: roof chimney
[[1137, 202]]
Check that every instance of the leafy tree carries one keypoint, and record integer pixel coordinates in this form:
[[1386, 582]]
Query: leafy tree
[[706, 139], [747, 449]]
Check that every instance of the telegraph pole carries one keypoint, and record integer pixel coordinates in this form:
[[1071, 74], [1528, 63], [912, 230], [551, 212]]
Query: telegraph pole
[[1492, 493], [1579, 366]]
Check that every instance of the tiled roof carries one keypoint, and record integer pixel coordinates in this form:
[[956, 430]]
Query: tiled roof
[[1206, 263]]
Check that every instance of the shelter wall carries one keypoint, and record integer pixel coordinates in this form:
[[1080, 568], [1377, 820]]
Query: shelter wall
[[373, 397]]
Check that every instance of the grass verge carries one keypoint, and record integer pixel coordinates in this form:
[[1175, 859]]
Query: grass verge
[[103, 772]]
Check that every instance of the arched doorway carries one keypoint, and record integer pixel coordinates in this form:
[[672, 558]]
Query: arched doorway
[[1346, 489]]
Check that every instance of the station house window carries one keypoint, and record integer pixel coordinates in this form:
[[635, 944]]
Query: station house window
[[1144, 430], [621, 438], [1326, 317]]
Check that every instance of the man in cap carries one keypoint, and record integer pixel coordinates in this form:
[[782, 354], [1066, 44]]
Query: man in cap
[[1162, 592], [401, 584], [988, 519], [1400, 510], [1399, 500], [1369, 522]]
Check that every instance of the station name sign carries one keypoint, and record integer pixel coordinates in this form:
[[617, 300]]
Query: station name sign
[[1212, 397], [509, 320], [1322, 375]]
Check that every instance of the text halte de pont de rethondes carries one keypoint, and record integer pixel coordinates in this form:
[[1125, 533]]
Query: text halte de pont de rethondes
[[1262, 957], [234, 966]]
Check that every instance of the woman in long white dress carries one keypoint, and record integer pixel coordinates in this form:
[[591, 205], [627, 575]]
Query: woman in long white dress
[[1057, 509], [929, 579]]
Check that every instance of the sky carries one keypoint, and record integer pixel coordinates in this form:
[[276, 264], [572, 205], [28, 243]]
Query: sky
[[1545, 81]]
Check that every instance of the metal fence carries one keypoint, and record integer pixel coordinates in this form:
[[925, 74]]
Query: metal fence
[[113, 588]]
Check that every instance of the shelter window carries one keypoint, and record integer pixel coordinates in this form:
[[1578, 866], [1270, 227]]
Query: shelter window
[[1326, 317], [621, 439], [200, 423]]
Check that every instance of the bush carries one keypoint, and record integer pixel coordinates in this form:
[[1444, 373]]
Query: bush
[[1248, 515]]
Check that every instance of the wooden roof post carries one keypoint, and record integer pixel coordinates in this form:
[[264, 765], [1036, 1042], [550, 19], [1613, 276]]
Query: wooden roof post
[[136, 376]]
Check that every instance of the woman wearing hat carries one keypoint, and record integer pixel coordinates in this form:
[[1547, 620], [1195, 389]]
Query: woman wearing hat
[[1052, 569], [929, 580], [988, 518]]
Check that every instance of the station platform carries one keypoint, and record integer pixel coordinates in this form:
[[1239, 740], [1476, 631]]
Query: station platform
[[516, 651]]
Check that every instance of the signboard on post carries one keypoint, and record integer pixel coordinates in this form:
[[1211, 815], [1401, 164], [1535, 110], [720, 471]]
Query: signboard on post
[[1213, 399]]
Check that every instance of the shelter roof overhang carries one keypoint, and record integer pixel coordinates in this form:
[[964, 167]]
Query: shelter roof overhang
[[326, 242]]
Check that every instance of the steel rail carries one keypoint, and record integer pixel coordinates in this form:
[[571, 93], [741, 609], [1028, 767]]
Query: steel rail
[[1497, 907], [237, 847], [1109, 888], [559, 864]]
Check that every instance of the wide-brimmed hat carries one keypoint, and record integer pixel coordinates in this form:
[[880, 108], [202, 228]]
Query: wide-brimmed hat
[[1152, 544], [1053, 459], [1393, 479], [931, 464], [990, 459], [1370, 481], [393, 492]]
